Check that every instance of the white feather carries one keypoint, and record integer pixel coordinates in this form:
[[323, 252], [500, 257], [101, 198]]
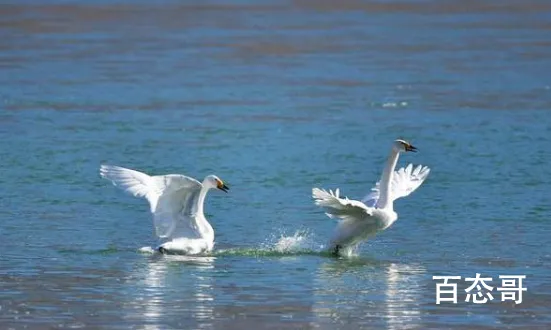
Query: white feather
[[404, 182], [339, 207]]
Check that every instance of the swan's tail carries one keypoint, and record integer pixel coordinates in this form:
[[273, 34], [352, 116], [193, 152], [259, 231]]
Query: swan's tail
[[136, 183]]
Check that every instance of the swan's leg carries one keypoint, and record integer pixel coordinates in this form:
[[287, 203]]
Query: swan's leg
[[336, 250], [162, 250]]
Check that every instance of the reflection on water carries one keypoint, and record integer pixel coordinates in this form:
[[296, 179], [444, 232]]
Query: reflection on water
[[385, 294], [403, 295], [173, 286]]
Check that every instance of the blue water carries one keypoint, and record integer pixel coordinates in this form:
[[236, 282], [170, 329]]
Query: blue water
[[275, 98]]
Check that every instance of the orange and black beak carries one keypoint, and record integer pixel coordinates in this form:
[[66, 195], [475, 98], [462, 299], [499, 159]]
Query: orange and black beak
[[411, 148], [222, 186]]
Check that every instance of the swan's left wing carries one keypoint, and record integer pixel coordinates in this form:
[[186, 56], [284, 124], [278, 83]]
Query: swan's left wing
[[404, 181], [342, 208]]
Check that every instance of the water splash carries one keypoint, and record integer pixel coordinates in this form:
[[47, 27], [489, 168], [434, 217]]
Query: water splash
[[147, 250], [300, 241]]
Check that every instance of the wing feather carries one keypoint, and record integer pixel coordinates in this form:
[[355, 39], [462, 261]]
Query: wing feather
[[404, 181], [135, 183], [342, 208], [175, 209]]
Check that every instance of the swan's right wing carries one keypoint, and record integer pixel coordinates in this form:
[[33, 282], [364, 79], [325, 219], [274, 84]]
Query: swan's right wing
[[404, 181], [342, 208]]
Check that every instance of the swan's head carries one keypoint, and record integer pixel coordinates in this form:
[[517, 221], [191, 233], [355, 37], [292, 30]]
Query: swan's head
[[212, 181], [403, 146]]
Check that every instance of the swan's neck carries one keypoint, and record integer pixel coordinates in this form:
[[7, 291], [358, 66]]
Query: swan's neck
[[201, 199], [385, 200], [203, 226]]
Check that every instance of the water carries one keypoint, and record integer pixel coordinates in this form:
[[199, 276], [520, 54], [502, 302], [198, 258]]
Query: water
[[275, 98]]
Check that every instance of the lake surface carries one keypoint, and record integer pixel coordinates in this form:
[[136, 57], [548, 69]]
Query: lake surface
[[275, 98]]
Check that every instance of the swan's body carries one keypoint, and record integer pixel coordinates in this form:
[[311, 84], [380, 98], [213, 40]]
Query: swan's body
[[360, 220], [176, 202]]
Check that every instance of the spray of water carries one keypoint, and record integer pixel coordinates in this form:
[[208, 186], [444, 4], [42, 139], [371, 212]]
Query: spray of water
[[147, 250], [301, 242]]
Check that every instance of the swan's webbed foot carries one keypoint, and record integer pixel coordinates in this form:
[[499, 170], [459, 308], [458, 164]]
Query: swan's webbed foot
[[162, 250]]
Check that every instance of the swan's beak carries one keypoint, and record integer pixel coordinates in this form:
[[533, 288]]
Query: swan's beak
[[222, 186], [411, 148]]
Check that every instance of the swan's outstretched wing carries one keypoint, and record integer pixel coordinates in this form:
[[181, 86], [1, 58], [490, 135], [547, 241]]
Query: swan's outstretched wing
[[342, 208], [170, 196], [404, 182], [136, 183]]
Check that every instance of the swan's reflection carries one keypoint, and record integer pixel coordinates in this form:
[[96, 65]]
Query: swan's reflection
[[176, 291], [366, 290], [403, 295]]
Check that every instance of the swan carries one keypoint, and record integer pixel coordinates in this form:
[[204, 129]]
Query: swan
[[176, 202], [360, 220]]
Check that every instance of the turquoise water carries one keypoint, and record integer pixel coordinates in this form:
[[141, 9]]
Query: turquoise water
[[275, 98]]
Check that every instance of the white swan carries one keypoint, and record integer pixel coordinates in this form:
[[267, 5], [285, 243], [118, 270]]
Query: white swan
[[360, 220], [176, 202]]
